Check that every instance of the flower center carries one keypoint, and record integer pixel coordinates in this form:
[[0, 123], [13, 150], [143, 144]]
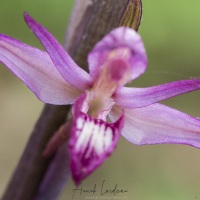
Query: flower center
[[114, 73]]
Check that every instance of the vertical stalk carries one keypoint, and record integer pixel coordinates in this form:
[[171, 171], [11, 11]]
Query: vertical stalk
[[90, 21]]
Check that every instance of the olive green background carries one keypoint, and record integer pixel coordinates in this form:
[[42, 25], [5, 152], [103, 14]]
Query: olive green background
[[171, 34]]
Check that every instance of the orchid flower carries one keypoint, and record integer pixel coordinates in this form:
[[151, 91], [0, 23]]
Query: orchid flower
[[102, 108]]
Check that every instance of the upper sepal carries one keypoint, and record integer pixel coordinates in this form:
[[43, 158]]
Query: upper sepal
[[66, 66], [120, 38]]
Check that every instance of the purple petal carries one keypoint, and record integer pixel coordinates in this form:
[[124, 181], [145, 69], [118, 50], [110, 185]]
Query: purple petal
[[122, 37], [156, 124], [70, 71], [92, 141], [140, 97], [35, 68]]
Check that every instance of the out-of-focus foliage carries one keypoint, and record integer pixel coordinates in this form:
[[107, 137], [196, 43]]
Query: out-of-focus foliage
[[171, 33]]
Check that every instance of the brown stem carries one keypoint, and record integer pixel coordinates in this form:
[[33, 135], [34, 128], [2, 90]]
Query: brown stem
[[32, 166], [98, 18]]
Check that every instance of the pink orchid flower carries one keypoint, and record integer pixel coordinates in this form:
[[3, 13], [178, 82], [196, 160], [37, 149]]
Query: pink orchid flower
[[100, 96]]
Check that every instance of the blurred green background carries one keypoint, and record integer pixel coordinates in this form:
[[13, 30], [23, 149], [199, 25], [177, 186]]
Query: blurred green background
[[171, 33]]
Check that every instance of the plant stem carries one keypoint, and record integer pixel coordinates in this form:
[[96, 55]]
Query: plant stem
[[96, 19]]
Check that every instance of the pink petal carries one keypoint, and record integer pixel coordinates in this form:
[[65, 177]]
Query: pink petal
[[92, 141], [156, 124], [35, 68], [119, 38], [139, 97], [70, 71]]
